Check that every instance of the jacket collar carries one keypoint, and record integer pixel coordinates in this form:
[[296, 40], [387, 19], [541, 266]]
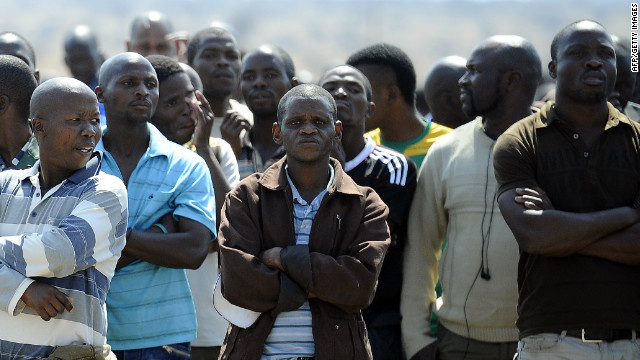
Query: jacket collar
[[275, 178]]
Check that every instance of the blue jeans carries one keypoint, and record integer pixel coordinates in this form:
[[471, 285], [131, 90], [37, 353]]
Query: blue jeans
[[549, 346], [166, 352]]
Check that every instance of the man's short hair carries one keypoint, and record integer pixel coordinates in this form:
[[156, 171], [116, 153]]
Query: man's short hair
[[387, 55], [164, 66], [196, 40], [564, 32], [17, 82], [287, 62], [307, 91], [32, 53]]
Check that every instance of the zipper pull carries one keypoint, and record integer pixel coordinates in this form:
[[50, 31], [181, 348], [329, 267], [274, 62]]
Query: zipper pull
[[339, 219]]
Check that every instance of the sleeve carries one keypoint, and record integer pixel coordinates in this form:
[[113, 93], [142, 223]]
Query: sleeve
[[349, 280], [228, 163], [246, 280], [194, 198], [514, 159], [427, 226], [77, 243]]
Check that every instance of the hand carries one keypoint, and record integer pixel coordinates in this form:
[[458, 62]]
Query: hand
[[337, 152], [429, 352], [533, 199], [46, 300], [231, 127], [271, 257], [204, 116]]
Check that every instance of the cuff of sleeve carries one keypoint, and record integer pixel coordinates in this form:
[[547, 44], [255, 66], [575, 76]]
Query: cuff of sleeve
[[291, 295], [296, 262], [16, 305]]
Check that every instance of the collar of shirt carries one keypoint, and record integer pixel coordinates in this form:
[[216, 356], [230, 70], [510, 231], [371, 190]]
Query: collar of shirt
[[157, 143], [16, 159], [316, 201]]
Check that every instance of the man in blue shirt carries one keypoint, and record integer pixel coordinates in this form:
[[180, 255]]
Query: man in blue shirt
[[171, 216]]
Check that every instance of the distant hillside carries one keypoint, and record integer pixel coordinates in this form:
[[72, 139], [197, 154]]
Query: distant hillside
[[318, 34]]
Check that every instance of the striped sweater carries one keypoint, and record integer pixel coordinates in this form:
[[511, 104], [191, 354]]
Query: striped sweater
[[71, 238]]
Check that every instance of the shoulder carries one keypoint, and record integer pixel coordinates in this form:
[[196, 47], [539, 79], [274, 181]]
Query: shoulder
[[391, 163]]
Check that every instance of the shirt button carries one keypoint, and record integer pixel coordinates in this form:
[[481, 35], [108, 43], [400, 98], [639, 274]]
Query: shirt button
[[337, 327], [38, 194], [33, 214], [576, 136], [586, 154]]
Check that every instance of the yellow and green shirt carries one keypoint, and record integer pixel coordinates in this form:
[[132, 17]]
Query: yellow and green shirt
[[417, 147]]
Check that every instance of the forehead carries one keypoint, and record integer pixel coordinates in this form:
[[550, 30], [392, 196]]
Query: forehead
[[67, 103], [262, 60], [317, 107], [344, 74], [483, 55], [220, 43], [176, 83], [153, 30], [131, 67], [585, 34]]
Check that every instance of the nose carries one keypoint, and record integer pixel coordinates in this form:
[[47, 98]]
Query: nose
[[594, 61], [90, 129], [464, 80], [259, 82], [142, 90], [308, 128], [339, 92]]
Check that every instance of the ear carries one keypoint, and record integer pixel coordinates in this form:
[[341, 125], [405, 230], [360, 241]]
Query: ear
[[127, 43], [276, 130], [99, 94], [294, 82], [36, 75], [338, 128], [37, 126], [5, 103], [370, 110], [393, 93], [552, 69], [513, 80]]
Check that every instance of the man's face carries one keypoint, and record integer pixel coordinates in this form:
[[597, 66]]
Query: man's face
[[83, 62], [68, 134], [307, 130], [585, 65], [480, 91], [218, 64], [625, 83], [264, 82], [152, 41], [347, 86], [376, 77], [131, 93], [173, 116]]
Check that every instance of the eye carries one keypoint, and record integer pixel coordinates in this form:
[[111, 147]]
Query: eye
[[127, 83], [152, 85], [248, 77], [355, 90]]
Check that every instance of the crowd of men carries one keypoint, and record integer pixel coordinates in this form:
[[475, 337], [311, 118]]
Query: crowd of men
[[334, 220]]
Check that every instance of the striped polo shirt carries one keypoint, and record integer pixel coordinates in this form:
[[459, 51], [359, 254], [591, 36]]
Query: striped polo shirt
[[291, 335], [150, 305], [71, 238]]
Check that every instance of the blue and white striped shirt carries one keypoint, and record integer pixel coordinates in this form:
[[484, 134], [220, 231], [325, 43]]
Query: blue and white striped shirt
[[150, 305], [70, 238], [291, 335]]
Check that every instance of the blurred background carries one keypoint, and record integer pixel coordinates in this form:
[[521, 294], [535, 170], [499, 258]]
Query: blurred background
[[317, 33]]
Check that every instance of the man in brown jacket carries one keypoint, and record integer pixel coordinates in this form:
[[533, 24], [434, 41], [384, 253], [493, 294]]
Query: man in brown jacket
[[302, 243]]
